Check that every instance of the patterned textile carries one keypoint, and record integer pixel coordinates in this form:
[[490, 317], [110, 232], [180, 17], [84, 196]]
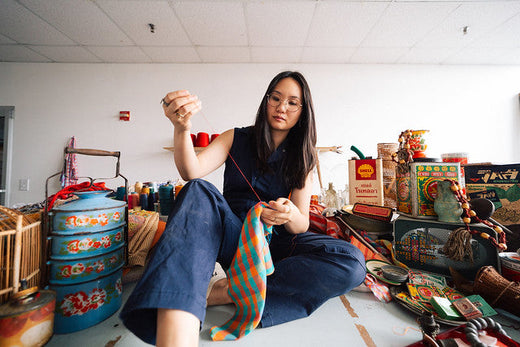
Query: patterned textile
[[323, 225], [68, 191], [247, 278], [69, 176], [142, 226]]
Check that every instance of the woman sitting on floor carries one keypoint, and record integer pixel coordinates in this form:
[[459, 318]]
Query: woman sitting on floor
[[273, 160]]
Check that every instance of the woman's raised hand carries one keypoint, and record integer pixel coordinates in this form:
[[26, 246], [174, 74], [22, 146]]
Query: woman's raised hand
[[179, 106]]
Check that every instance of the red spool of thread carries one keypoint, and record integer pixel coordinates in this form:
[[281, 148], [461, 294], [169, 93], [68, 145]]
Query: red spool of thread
[[202, 140], [133, 201], [214, 136], [194, 139]]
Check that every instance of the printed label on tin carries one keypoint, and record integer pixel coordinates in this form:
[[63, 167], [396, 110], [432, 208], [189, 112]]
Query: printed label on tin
[[366, 169]]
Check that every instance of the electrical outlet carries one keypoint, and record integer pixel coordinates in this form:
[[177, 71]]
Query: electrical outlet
[[23, 185]]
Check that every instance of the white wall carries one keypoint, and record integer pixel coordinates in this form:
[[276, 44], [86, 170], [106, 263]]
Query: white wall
[[466, 108]]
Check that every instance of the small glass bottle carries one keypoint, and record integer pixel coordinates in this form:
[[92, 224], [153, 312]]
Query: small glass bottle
[[331, 198]]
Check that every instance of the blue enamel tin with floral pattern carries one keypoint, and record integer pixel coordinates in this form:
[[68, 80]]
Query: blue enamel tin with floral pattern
[[86, 260], [93, 211], [83, 305], [81, 244], [69, 271]]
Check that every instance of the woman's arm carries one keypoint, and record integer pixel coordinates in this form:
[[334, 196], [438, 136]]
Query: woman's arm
[[293, 213], [179, 107]]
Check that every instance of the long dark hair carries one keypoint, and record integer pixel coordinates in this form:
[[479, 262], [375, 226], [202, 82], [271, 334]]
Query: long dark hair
[[301, 141]]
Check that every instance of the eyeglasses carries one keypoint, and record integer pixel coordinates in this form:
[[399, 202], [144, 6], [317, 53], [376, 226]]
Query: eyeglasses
[[275, 100]]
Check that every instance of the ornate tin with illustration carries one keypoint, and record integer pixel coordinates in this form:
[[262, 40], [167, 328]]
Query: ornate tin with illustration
[[92, 212], [79, 245], [69, 271], [83, 305], [86, 260]]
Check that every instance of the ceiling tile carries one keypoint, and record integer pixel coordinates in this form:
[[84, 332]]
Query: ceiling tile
[[21, 25], [82, 21], [421, 55], [327, 55], [477, 56], [134, 17], [120, 54], [213, 23], [509, 57], [506, 35], [379, 55], [403, 24], [5, 40], [283, 24], [479, 18], [275, 54], [20, 53], [66, 54], [224, 54], [172, 54], [343, 23]]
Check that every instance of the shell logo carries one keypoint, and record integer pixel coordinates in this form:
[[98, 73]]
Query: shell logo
[[365, 171]]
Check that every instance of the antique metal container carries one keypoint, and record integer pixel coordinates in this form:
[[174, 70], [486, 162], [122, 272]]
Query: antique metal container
[[86, 260], [27, 319], [85, 304], [91, 212]]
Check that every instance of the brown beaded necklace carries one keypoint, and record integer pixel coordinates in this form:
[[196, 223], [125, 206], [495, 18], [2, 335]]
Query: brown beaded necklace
[[458, 245]]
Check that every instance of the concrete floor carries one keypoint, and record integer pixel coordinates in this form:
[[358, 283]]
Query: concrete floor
[[353, 319]]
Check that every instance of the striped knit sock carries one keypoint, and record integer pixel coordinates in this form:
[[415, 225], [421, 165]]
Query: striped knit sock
[[247, 278]]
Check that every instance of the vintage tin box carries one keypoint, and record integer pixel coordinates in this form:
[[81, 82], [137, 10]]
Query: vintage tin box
[[500, 184], [418, 244], [365, 178], [417, 189]]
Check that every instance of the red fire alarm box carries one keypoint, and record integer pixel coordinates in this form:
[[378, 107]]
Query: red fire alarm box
[[124, 115]]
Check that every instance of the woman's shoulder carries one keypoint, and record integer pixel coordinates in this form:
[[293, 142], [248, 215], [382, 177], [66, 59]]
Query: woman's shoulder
[[244, 130]]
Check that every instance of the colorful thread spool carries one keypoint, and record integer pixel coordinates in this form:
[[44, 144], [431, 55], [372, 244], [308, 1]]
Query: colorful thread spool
[[194, 139], [202, 140], [213, 137], [143, 198], [165, 199], [120, 193], [133, 201]]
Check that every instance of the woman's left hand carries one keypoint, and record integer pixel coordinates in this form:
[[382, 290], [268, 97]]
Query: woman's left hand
[[279, 212]]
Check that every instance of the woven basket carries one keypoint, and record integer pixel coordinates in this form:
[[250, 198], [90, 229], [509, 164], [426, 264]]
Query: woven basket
[[497, 290], [20, 251]]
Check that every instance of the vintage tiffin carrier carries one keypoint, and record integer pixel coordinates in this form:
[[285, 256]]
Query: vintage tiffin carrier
[[86, 254]]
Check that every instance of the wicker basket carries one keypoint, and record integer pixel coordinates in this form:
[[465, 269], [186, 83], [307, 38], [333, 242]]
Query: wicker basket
[[497, 290], [20, 251]]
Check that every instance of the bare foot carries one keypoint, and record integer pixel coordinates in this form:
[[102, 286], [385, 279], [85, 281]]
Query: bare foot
[[219, 294]]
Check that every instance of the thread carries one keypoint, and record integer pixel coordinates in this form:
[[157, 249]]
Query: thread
[[234, 162], [202, 139], [165, 199], [143, 198]]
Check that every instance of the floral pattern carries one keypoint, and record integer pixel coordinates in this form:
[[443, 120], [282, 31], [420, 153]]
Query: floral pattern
[[85, 268], [88, 221], [90, 244], [80, 303]]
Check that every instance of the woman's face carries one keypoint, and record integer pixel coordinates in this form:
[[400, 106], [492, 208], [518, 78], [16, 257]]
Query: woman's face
[[287, 94]]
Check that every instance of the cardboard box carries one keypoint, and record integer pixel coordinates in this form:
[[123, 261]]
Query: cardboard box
[[366, 181], [416, 190], [498, 183]]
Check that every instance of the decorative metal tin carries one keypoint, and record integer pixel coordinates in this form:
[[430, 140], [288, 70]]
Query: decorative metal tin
[[69, 271], [79, 245], [92, 212], [28, 318], [83, 305]]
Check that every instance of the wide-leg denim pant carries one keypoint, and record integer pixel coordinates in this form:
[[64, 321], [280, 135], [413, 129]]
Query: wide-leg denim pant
[[310, 268]]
